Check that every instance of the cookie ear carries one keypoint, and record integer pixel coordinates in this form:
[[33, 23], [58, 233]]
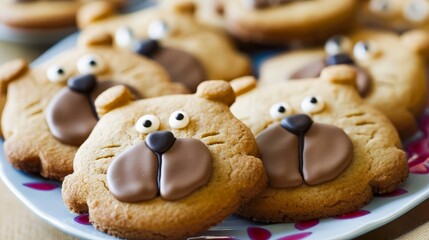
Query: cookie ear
[[112, 98], [95, 38], [416, 40], [94, 11], [217, 90], [243, 85], [11, 71], [339, 74], [182, 6]]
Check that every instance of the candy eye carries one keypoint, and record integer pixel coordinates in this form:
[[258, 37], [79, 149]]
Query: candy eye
[[379, 6], [312, 104], [364, 50], [90, 64], [56, 74], [280, 110], [147, 124], [158, 29], [416, 10], [178, 120], [124, 37], [337, 44]]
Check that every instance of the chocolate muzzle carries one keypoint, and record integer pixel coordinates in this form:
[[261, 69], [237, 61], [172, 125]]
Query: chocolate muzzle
[[181, 66], [313, 70], [299, 151], [71, 114], [161, 166]]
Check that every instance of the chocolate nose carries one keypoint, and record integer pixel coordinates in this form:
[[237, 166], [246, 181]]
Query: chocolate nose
[[340, 58], [147, 47], [297, 124], [83, 84], [160, 142]]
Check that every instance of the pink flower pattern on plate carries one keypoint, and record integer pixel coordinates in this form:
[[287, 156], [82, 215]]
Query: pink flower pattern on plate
[[355, 214], [83, 219], [418, 149], [40, 186], [257, 233], [306, 224], [297, 236]]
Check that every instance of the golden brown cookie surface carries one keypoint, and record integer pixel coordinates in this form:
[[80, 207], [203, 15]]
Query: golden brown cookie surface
[[320, 123], [50, 110], [282, 22], [398, 15], [43, 14], [190, 51], [391, 70], [199, 145]]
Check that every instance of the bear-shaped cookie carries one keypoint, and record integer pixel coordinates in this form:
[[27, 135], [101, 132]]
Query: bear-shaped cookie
[[166, 167], [325, 151], [398, 15], [391, 70], [190, 51], [49, 109], [287, 21], [39, 14]]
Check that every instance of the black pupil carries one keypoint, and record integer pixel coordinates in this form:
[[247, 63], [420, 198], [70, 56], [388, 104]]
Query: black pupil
[[366, 46], [337, 40], [281, 109], [93, 63], [147, 123], [313, 100], [180, 117], [60, 71]]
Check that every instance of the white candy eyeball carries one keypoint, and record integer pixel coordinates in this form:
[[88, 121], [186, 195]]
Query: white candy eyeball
[[90, 64], [124, 37], [365, 49], [379, 6], [416, 10], [312, 104], [178, 120], [280, 110], [57, 74], [157, 30], [338, 44], [147, 124]]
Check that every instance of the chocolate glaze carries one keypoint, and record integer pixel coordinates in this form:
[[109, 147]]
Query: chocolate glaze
[[71, 115], [186, 167], [147, 47], [266, 3], [132, 176], [340, 58], [310, 70], [279, 154], [70, 118], [313, 70], [159, 142], [327, 152], [180, 65], [177, 172], [297, 151], [84, 84]]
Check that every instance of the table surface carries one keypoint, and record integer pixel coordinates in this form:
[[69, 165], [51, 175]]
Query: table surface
[[18, 222]]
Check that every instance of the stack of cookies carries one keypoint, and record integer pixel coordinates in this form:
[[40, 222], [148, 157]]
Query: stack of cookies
[[156, 128]]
